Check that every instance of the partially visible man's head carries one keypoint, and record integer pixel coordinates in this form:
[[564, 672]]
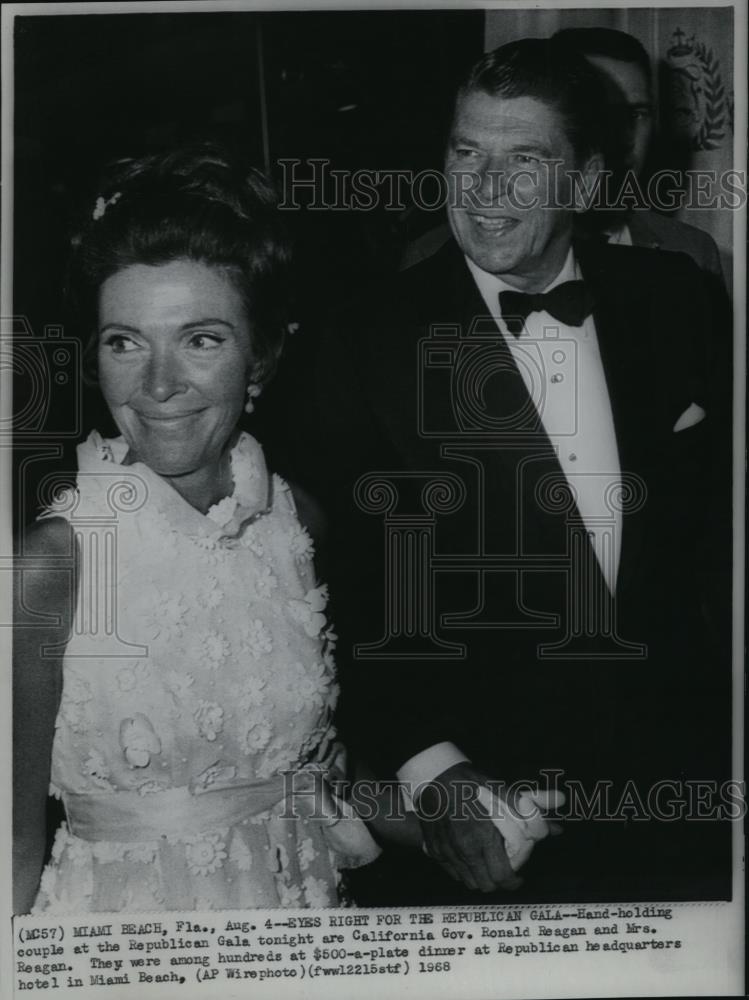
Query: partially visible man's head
[[526, 121], [625, 72]]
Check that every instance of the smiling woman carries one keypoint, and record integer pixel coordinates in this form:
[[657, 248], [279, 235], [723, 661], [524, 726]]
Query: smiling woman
[[175, 362], [166, 723]]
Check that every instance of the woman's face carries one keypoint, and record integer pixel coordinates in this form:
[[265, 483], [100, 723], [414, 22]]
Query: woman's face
[[174, 362]]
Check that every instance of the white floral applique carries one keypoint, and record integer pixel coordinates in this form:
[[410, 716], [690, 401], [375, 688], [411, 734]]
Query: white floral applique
[[74, 704], [209, 719], [79, 852], [253, 695], [222, 512], [61, 838], [166, 618], [317, 892], [311, 684], [216, 648], [97, 770], [258, 638], [213, 595], [330, 640], [205, 853], [257, 737], [138, 740], [306, 852], [48, 883], [300, 543], [240, 854], [309, 612], [210, 550], [251, 540], [134, 675], [290, 895]]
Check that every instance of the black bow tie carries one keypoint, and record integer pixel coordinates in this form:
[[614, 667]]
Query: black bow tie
[[569, 302]]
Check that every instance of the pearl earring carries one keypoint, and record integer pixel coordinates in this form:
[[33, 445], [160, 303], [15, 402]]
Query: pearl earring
[[253, 391]]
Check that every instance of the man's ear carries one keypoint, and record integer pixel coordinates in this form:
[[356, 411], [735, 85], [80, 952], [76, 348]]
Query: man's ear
[[587, 183]]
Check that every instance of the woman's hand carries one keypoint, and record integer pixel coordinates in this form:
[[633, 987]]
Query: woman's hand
[[463, 840], [47, 593]]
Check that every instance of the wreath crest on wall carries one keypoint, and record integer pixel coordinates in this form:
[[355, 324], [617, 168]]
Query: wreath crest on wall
[[699, 107]]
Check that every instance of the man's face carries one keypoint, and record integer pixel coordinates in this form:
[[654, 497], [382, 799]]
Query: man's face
[[510, 204], [631, 103]]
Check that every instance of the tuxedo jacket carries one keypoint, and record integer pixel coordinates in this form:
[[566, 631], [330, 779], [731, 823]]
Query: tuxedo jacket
[[663, 232], [463, 584]]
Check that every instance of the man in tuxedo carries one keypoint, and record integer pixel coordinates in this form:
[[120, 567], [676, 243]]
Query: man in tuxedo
[[522, 450]]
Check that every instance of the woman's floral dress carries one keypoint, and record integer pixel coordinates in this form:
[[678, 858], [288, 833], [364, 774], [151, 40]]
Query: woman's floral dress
[[198, 688]]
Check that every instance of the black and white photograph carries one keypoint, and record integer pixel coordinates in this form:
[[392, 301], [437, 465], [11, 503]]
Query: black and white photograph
[[373, 453]]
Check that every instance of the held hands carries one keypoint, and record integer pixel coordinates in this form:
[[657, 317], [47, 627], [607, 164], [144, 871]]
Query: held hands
[[460, 819]]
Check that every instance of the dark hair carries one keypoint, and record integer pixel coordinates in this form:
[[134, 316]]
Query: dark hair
[[606, 42], [540, 68], [194, 203]]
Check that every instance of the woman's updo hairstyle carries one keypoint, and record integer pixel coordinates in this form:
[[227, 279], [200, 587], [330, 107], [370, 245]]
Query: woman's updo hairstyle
[[194, 203]]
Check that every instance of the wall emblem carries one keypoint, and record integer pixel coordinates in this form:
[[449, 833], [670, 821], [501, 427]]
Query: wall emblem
[[699, 109]]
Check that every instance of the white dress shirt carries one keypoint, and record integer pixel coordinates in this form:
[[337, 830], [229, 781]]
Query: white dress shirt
[[562, 370]]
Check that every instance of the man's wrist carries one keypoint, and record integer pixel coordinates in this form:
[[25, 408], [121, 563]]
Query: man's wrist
[[424, 767]]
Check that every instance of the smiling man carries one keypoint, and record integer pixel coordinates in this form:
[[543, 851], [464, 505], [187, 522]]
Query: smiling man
[[514, 216], [521, 451]]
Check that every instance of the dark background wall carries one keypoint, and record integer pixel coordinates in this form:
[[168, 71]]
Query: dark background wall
[[364, 90]]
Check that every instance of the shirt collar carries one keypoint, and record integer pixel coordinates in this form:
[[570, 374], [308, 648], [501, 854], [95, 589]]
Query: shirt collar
[[620, 234], [490, 285]]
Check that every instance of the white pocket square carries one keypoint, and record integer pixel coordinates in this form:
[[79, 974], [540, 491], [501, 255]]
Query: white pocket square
[[691, 416]]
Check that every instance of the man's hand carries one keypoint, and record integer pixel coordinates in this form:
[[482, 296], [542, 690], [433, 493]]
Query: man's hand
[[460, 836]]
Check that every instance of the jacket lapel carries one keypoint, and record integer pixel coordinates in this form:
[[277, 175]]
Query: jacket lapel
[[622, 315]]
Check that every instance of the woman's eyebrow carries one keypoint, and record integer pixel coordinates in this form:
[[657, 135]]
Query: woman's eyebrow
[[119, 326], [208, 321]]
